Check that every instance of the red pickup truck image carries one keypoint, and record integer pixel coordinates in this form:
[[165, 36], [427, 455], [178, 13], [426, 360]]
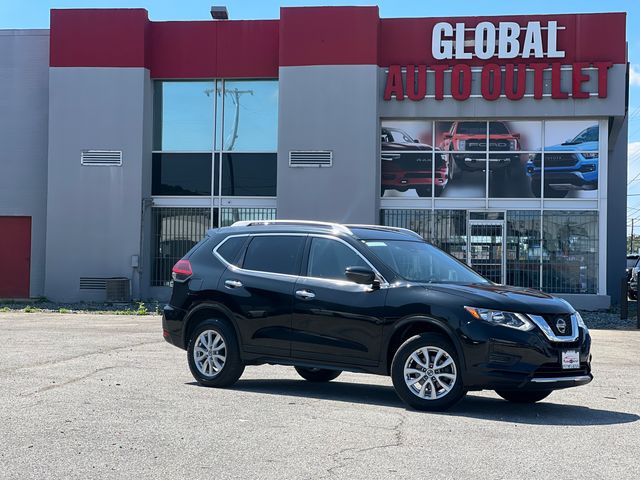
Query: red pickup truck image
[[406, 164], [470, 139]]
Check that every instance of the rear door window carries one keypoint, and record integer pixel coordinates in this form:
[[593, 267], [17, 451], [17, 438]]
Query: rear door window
[[274, 254], [230, 249]]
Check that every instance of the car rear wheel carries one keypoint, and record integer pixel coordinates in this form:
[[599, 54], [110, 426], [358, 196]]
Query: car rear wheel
[[213, 356], [426, 373], [318, 374], [521, 396]]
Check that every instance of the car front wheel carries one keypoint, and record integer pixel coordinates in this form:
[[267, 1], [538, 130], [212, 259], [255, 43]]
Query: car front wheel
[[213, 356], [520, 396], [318, 375], [426, 373]]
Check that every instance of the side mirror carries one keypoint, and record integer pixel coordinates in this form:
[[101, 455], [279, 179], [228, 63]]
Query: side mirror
[[416, 141], [448, 135], [516, 136], [361, 275]]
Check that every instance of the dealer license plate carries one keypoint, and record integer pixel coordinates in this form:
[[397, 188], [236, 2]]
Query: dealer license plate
[[570, 359]]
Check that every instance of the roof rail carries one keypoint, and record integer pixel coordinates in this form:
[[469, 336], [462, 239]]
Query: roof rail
[[384, 227], [310, 223]]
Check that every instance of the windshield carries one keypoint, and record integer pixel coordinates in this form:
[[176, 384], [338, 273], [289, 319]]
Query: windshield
[[480, 128], [422, 262], [397, 136], [588, 135]]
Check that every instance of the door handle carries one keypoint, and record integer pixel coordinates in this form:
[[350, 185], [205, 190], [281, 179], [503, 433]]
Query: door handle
[[305, 294], [232, 283]]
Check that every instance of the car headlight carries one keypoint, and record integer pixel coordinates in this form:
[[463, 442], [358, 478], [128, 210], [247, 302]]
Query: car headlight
[[461, 144], [590, 155], [513, 144], [581, 321], [519, 321]]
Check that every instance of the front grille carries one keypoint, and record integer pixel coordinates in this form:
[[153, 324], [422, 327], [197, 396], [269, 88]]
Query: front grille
[[552, 321], [559, 159], [418, 175], [498, 145], [551, 370]]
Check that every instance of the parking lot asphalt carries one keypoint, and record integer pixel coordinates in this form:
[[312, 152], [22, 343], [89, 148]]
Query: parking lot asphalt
[[104, 396]]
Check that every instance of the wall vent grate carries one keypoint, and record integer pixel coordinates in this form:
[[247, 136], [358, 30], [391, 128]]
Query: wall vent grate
[[101, 158], [93, 283], [311, 158]]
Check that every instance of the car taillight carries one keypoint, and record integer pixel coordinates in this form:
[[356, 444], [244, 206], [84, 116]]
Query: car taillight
[[181, 271]]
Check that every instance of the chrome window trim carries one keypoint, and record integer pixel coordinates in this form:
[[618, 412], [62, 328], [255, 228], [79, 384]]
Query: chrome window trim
[[286, 276], [548, 332], [381, 279], [235, 268]]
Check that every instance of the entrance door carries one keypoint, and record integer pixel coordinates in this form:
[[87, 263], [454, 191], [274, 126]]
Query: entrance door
[[15, 256], [486, 249]]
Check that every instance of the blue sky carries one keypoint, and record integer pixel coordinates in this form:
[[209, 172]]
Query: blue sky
[[35, 14]]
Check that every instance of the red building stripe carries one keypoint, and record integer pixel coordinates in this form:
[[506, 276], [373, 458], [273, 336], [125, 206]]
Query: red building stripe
[[303, 36]]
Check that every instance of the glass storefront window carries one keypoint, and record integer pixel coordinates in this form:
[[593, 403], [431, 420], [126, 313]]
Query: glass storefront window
[[524, 248], [464, 144], [249, 174], [183, 116], [250, 115], [570, 252], [184, 131], [571, 158], [506, 155], [556, 251], [180, 174]]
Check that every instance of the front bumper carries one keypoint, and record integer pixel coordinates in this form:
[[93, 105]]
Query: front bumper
[[478, 161], [565, 179], [500, 358]]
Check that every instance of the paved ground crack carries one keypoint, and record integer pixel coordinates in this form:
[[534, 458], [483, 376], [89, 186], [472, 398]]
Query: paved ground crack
[[336, 457], [68, 382], [82, 355]]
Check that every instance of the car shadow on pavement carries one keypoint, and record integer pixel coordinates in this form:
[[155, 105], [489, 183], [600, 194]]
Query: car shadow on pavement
[[472, 406]]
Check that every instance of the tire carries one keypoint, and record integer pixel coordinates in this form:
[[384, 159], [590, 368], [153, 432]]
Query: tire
[[523, 396], [318, 375], [419, 394], [214, 372], [633, 295], [535, 189], [423, 191], [551, 193], [455, 170]]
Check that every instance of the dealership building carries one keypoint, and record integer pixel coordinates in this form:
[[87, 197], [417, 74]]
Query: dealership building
[[502, 140]]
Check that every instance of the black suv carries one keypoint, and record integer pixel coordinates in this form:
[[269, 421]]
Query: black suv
[[364, 298]]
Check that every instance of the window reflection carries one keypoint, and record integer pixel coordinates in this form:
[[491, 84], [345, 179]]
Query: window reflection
[[250, 115], [183, 116]]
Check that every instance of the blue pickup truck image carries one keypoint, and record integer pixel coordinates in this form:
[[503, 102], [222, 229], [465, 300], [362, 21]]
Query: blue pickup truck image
[[572, 165]]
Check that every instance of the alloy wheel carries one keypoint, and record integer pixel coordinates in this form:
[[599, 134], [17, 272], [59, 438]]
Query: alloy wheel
[[210, 353], [430, 373]]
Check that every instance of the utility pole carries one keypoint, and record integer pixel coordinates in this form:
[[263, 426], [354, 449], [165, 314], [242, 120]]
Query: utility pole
[[632, 251]]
